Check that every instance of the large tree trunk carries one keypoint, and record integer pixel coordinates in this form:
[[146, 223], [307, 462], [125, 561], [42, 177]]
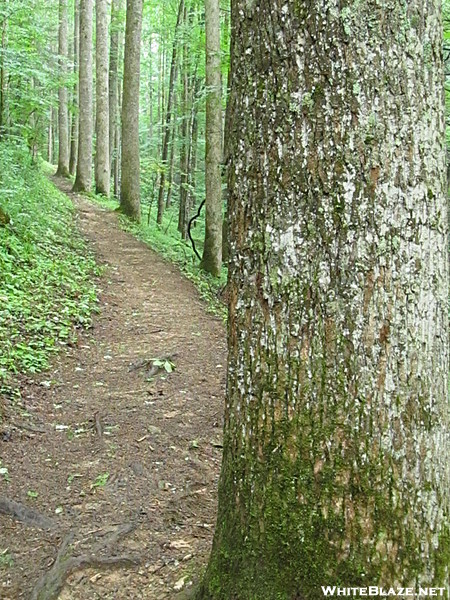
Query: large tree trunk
[[168, 117], [212, 251], [335, 466], [83, 180], [63, 115], [102, 164], [74, 120], [129, 191]]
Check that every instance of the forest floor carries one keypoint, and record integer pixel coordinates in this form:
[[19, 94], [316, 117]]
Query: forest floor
[[115, 471]]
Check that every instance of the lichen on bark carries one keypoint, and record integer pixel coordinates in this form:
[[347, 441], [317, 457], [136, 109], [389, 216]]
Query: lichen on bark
[[336, 420]]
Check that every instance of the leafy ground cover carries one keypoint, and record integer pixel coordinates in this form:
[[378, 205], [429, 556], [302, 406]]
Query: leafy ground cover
[[47, 275]]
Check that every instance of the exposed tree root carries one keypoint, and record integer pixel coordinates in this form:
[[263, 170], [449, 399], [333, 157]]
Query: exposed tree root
[[25, 515], [52, 582]]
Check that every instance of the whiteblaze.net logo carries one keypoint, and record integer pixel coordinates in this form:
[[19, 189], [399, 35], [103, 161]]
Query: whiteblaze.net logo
[[373, 590]]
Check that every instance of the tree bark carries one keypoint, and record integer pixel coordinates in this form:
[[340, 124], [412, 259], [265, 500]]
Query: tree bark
[[212, 250], [150, 92], [184, 130], [130, 186], [83, 179], [335, 465], [50, 136], [113, 85], [117, 145], [63, 115], [171, 165], [166, 136], [102, 164], [74, 120]]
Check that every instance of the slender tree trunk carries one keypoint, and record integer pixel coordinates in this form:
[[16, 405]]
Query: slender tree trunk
[[150, 93], [117, 143], [212, 251], [50, 136], [63, 115], [335, 466], [166, 136], [129, 192], [225, 159], [55, 136], [171, 165], [158, 101], [74, 120], [75, 91], [83, 180], [184, 152], [113, 78], [102, 164], [194, 148]]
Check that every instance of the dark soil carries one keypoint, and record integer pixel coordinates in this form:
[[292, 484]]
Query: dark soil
[[102, 409]]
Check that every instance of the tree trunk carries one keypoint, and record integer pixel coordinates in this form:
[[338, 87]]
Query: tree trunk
[[193, 147], [113, 78], [184, 151], [63, 115], [83, 180], [335, 466], [102, 164], [212, 251], [50, 136], [150, 93], [225, 158], [171, 165], [129, 192], [166, 135], [54, 116], [74, 121], [117, 145]]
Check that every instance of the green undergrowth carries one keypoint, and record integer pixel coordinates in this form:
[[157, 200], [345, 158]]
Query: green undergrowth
[[165, 239], [47, 287]]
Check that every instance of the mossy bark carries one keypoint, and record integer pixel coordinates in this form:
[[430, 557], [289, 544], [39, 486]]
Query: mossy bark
[[336, 422]]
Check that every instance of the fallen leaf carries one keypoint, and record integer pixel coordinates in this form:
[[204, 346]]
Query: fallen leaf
[[179, 544], [180, 584]]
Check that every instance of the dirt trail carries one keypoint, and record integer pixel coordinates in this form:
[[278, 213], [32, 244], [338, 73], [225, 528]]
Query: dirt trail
[[158, 440]]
